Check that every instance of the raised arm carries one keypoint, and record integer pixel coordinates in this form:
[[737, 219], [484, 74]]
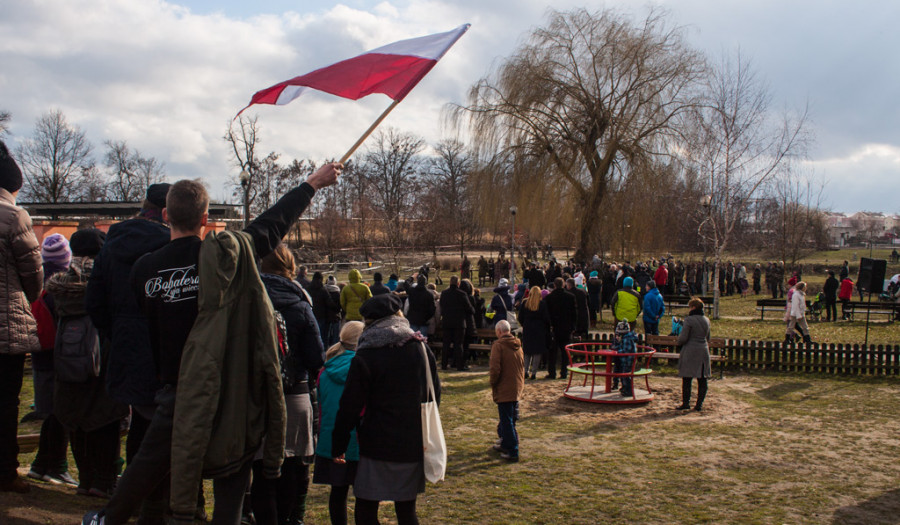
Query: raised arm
[[273, 224]]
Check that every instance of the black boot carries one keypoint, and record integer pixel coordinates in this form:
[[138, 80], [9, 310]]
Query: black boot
[[685, 394], [807, 339], [702, 386]]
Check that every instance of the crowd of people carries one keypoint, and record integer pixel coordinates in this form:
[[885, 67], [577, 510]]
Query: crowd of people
[[223, 359], [217, 355]]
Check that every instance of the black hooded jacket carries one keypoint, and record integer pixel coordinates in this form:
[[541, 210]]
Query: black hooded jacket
[[304, 340], [110, 302]]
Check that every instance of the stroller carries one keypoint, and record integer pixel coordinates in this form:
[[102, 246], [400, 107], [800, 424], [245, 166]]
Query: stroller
[[677, 325], [816, 307]]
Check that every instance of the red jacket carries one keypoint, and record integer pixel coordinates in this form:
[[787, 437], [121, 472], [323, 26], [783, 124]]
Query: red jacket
[[846, 290], [661, 276]]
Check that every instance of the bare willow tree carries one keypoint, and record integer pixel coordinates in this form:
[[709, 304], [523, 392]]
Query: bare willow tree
[[592, 93], [739, 147], [130, 172], [391, 167], [55, 160]]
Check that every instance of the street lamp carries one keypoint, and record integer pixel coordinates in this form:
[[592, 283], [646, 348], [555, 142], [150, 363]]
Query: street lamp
[[512, 253], [245, 185], [705, 203]]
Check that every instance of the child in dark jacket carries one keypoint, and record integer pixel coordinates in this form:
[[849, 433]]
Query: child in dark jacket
[[626, 343]]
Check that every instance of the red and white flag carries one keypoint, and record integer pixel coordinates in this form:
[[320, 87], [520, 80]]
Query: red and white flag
[[393, 70]]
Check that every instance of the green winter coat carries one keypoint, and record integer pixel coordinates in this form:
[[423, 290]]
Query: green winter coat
[[229, 386], [353, 296]]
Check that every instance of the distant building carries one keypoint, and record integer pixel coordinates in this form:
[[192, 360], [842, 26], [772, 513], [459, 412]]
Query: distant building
[[861, 227], [67, 217]]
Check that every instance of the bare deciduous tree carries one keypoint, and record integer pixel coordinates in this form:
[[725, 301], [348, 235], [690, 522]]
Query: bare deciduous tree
[[243, 143], [739, 147], [391, 168], [592, 93], [449, 175], [55, 160], [5, 117], [130, 172]]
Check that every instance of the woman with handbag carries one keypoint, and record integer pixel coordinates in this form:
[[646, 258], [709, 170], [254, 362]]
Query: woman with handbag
[[387, 379]]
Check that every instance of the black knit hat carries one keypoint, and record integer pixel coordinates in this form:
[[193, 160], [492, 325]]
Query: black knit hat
[[87, 242], [10, 174], [156, 194], [377, 277], [381, 305]]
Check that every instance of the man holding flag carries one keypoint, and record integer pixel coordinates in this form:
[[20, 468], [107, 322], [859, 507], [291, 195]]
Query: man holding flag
[[172, 316]]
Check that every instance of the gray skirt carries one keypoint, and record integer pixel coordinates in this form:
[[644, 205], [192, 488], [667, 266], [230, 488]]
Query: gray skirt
[[378, 480], [298, 435]]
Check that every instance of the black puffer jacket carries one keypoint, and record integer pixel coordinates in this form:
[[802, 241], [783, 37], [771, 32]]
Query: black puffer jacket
[[131, 372], [304, 340]]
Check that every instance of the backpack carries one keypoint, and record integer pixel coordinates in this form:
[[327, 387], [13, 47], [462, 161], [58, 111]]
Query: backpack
[[288, 364], [46, 323], [76, 353]]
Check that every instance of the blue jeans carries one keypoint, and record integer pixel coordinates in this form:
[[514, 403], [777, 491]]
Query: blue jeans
[[651, 328], [330, 331], [421, 328], [506, 429]]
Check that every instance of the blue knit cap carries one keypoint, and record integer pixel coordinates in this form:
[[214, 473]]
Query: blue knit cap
[[628, 282]]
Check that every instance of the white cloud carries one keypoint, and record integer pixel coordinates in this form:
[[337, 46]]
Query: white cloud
[[168, 80]]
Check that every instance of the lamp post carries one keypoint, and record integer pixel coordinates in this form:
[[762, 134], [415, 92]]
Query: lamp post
[[512, 252], [245, 185], [705, 202]]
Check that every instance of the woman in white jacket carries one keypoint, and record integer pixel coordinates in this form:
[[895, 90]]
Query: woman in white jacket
[[798, 314]]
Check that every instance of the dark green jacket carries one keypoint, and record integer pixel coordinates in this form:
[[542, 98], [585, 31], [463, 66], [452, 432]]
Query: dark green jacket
[[229, 386]]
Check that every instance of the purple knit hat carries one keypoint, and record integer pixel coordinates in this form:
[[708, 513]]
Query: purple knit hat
[[55, 251]]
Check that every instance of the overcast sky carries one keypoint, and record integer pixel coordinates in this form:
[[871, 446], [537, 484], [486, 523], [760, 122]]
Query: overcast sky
[[168, 76]]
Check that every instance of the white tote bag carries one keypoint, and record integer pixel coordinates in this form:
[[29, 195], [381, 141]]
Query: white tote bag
[[435, 448]]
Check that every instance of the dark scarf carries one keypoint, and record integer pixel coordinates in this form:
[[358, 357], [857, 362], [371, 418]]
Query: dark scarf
[[392, 330]]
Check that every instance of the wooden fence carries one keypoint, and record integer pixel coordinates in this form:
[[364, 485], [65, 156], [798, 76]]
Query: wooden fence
[[839, 359]]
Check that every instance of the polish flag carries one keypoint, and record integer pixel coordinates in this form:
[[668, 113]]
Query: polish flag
[[393, 70]]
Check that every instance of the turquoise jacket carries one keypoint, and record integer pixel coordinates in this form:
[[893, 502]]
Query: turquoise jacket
[[331, 387]]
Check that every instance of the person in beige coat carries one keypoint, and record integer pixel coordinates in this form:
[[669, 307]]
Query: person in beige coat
[[507, 376], [694, 359], [21, 281]]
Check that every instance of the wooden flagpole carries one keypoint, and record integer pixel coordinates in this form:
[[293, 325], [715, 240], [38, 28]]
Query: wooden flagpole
[[368, 132]]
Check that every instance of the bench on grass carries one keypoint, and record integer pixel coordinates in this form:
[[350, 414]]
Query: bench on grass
[[681, 301], [666, 345], [892, 310], [773, 305], [484, 338]]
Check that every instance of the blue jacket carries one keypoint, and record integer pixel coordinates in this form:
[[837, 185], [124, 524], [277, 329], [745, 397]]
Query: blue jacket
[[501, 303], [331, 387], [653, 306]]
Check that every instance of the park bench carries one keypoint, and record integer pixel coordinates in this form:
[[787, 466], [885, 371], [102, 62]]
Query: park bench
[[892, 310], [484, 338], [681, 301], [773, 305], [666, 346]]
